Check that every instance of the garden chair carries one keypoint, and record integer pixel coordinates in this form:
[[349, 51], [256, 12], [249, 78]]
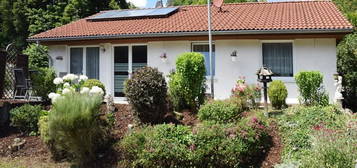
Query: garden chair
[[22, 85]]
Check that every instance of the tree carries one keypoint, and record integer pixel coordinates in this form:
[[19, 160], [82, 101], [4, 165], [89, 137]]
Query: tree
[[113, 4], [20, 23], [7, 26]]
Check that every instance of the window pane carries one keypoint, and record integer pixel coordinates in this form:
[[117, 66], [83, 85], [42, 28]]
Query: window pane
[[140, 55], [204, 49], [279, 58], [92, 62], [76, 60]]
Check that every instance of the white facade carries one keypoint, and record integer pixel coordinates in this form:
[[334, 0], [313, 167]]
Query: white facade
[[308, 54]]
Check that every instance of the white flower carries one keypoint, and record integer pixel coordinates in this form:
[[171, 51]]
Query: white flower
[[83, 78], [54, 97], [66, 91], [66, 85], [85, 90], [70, 77], [51, 95], [58, 81], [96, 90]]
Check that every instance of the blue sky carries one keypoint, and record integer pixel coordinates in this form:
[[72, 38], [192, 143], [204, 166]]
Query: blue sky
[[151, 3]]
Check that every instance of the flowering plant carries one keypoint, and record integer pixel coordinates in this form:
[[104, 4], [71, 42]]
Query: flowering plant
[[70, 84], [246, 94]]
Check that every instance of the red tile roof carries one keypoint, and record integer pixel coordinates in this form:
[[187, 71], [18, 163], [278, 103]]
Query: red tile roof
[[261, 17]]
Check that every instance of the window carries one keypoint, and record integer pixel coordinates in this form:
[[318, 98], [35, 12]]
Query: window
[[91, 65], [279, 58], [204, 49]]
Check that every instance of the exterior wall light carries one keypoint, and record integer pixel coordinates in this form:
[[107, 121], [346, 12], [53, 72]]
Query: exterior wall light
[[163, 57], [234, 55]]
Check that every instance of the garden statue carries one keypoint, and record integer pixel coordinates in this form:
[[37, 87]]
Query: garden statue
[[338, 95]]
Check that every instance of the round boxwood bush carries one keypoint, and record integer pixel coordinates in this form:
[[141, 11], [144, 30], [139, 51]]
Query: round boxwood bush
[[94, 82], [277, 94], [26, 117], [187, 84], [220, 111], [146, 92]]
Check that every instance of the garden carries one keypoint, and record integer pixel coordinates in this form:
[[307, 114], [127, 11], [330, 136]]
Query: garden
[[175, 123]]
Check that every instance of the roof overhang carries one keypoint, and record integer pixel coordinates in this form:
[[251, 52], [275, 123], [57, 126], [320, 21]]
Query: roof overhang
[[196, 33]]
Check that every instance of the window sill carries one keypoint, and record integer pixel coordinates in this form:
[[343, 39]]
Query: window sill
[[285, 79]]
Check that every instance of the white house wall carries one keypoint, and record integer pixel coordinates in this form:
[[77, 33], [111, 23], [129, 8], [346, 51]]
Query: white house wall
[[308, 54]]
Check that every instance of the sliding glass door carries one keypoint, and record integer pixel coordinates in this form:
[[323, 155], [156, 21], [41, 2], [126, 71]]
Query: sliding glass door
[[127, 59]]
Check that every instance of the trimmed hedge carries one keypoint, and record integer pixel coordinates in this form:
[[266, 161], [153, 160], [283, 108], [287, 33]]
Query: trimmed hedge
[[277, 94], [94, 82]]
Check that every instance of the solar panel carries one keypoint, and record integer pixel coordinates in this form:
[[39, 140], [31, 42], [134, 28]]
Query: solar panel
[[118, 14]]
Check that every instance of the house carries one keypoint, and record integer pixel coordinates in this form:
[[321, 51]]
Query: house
[[288, 37]]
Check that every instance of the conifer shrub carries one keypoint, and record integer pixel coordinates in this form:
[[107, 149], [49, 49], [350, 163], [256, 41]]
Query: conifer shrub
[[147, 92], [187, 84], [311, 89], [277, 94], [74, 126]]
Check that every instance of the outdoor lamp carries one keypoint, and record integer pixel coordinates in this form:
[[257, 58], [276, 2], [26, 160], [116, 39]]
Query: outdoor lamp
[[234, 55], [163, 57], [102, 47]]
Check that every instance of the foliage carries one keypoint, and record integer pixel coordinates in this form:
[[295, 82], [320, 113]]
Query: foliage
[[206, 145], [297, 124], [349, 9], [310, 88], [20, 18], [347, 66], [245, 95], [94, 82], [146, 92], [332, 148], [26, 118], [187, 84], [38, 56], [277, 94], [200, 2], [74, 126], [220, 111], [43, 82]]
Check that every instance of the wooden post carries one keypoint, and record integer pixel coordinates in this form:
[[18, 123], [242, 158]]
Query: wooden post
[[3, 55]]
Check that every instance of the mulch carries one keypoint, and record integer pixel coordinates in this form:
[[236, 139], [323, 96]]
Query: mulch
[[273, 155]]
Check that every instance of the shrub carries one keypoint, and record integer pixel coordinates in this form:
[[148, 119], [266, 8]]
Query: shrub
[[245, 95], [277, 94], [220, 111], [146, 92], [347, 66], [310, 88], [43, 82], [187, 84], [207, 145], [26, 118], [94, 82], [74, 125], [38, 55]]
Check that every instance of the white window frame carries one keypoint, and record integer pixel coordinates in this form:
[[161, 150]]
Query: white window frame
[[130, 61], [84, 57], [286, 79], [206, 43]]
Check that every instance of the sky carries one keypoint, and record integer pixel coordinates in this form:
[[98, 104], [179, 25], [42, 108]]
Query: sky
[[151, 3]]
